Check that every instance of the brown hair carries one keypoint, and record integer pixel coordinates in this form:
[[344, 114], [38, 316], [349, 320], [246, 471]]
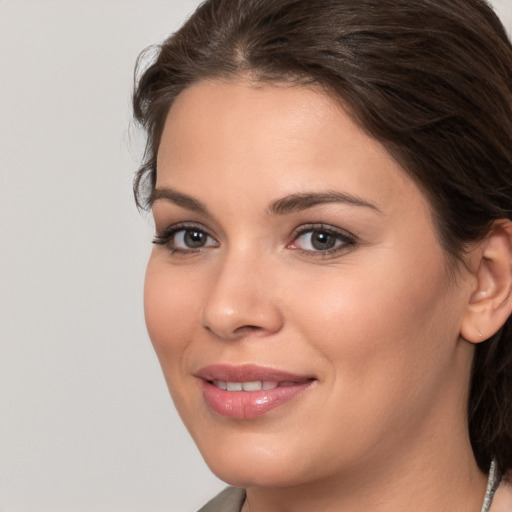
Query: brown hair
[[430, 79]]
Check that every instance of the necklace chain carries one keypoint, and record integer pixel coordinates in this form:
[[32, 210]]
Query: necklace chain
[[492, 484]]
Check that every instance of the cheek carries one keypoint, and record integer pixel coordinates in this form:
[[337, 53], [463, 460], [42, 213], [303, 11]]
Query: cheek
[[169, 310], [386, 326]]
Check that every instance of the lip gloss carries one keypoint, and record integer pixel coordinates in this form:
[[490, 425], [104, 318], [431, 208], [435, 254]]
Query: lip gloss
[[249, 391]]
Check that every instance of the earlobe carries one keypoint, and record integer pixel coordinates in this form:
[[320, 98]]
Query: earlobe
[[490, 302]]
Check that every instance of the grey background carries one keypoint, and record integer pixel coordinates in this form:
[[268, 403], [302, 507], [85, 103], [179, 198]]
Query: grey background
[[86, 423]]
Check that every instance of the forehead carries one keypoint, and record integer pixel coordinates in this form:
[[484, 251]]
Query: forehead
[[273, 139]]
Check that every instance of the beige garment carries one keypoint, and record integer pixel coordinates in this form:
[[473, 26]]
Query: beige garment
[[229, 500]]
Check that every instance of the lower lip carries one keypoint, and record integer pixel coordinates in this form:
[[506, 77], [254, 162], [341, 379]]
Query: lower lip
[[249, 404]]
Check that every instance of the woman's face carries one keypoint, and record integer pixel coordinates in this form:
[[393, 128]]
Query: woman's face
[[298, 298]]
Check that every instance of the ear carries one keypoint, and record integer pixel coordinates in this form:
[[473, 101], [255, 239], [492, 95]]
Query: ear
[[490, 302]]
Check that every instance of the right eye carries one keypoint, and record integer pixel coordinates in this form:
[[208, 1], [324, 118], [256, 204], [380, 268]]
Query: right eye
[[185, 239]]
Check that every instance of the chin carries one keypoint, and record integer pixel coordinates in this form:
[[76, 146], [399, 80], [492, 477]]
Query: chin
[[254, 472], [256, 461]]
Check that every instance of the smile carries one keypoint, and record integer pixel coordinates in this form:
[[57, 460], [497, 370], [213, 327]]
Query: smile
[[245, 392], [256, 385]]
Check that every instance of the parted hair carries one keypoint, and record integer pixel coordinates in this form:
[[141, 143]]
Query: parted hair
[[430, 79]]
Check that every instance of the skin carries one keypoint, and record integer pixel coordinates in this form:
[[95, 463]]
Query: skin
[[378, 322]]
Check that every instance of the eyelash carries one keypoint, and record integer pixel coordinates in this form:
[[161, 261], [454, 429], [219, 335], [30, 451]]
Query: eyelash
[[342, 239], [166, 238]]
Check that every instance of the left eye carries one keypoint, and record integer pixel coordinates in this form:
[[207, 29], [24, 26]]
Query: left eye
[[321, 240]]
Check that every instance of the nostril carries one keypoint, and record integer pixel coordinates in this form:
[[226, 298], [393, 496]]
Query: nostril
[[245, 329], [239, 332]]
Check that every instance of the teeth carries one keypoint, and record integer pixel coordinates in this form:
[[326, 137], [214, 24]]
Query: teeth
[[252, 386], [256, 385]]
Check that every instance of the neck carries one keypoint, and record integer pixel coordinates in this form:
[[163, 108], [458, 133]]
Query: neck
[[459, 489], [434, 471]]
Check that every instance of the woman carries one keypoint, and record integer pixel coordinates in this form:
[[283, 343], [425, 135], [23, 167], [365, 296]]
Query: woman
[[330, 288]]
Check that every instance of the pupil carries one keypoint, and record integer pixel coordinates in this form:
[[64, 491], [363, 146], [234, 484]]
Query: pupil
[[322, 240], [194, 239]]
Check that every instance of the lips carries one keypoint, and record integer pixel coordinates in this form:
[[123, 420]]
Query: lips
[[249, 391]]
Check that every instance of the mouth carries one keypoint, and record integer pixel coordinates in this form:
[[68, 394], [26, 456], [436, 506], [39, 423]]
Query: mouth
[[256, 385], [245, 392]]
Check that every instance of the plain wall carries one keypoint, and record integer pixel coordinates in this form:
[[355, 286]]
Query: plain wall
[[86, 423]]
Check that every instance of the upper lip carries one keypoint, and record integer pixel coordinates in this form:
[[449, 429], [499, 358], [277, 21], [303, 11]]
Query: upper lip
[[248, 373]]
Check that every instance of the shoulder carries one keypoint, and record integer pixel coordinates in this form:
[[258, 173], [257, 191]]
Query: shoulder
[[230, 499], [502, 501]]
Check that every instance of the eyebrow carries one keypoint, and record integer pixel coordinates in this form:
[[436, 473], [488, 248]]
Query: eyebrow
[[285, 205], [179, 199], [303, 201]]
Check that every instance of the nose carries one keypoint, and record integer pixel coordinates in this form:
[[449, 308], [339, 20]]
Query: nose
[[241, 300]]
